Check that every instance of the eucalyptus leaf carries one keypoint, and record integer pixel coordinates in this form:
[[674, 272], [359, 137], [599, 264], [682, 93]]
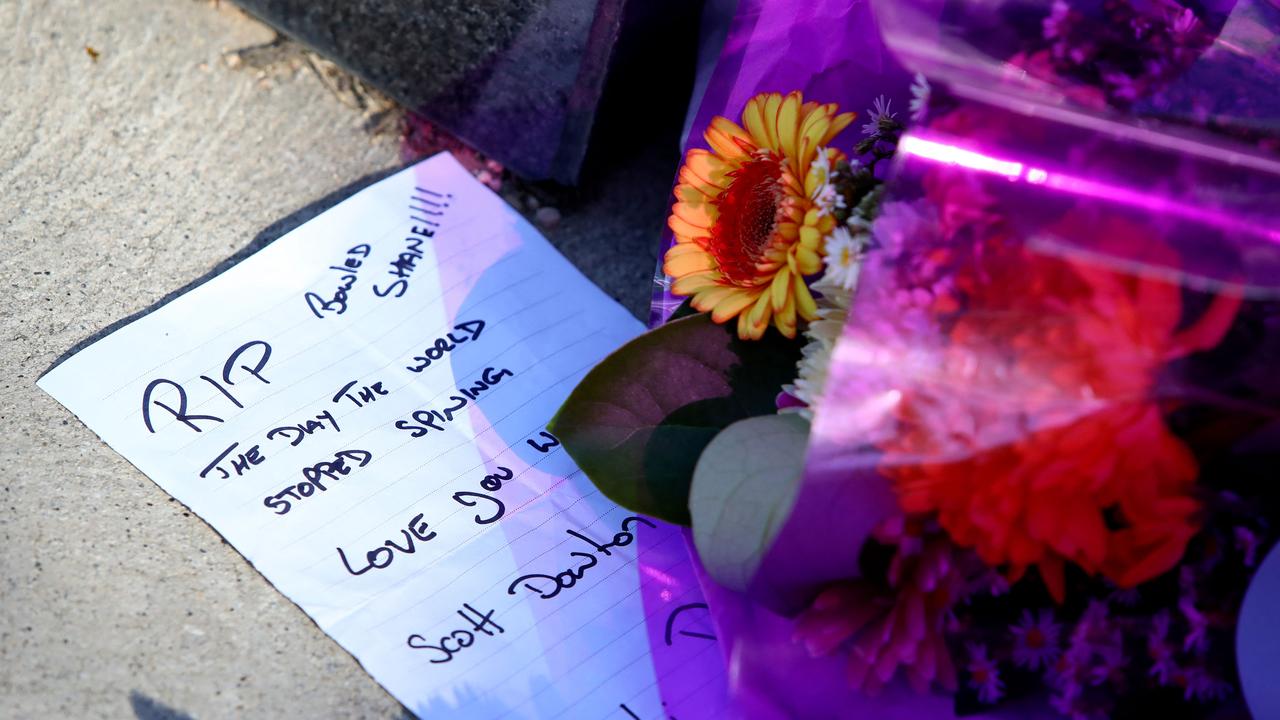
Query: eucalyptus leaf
[[638, 421], [744, 487]]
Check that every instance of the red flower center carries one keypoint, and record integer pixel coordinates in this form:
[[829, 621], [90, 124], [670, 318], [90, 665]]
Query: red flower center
[[747, 217], [1035, 638]]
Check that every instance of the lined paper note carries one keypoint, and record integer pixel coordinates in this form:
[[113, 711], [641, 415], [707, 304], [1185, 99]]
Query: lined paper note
[[360, 409]]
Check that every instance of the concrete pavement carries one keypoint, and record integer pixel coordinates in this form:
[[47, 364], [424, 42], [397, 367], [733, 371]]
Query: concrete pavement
[[125, 178]]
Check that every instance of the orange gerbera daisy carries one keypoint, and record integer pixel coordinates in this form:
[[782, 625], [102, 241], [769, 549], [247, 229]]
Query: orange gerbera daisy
[[747, 224]]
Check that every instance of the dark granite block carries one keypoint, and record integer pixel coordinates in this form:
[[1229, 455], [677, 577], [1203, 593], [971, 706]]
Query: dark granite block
[[521, 80]]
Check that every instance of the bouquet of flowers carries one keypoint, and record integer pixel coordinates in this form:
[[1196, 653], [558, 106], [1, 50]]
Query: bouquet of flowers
[[970, 402]]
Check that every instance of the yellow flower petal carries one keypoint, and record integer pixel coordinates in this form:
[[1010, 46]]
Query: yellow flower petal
[[770, 115], [732, 129], [723, 145], [684, 264], [815, 124], [788, 127], [684, 230], [815, 178], [682, 248], [753, 121], [775, 258], [689, 179], [785, 319], [807, 156], [709, 297], [700, 215], [808, 262], [728, 139], [690, 284], [708, 168], [792, 184], [780, 288], [838, 123], [810, 237], [732, 305], [805, 304], [692, 193], [760, 311]]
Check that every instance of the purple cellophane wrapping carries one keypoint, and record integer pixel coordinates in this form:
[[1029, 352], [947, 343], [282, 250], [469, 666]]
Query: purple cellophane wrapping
[[831, 51], [1190, 162], [1173, 184]]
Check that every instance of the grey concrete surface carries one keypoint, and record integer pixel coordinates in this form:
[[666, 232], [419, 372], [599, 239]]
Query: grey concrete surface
[[124, 179]]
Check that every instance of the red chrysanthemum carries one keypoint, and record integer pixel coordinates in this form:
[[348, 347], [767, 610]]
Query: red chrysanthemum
[[1084, 470]]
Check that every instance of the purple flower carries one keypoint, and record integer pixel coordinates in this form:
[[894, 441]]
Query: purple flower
[[984, 675], [1094, 623], [1204, 686], [1197, 639], [1076, 708], [880, 112], [1064, 676], [1186, 24], [1096, 650], [1164, 664], [1121, 85], [1108, 665], [1126, 598], [1247, 543], [1055, 24], [1035, 640]]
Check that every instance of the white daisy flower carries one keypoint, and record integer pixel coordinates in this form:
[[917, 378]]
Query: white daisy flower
[[823, 177], [858, 223], [821, 336], [919, 97], [811, 377], [844, 257]]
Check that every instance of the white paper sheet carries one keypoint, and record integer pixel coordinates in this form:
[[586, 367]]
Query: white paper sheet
[[360, 408]]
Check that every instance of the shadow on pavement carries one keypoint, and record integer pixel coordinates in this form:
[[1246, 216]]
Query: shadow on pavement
[[144, 708]]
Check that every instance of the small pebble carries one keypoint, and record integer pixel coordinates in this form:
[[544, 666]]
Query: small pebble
[[547, 217]]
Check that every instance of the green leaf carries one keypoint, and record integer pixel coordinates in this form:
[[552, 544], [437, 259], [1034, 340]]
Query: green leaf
[[744, 487], [638, 421]]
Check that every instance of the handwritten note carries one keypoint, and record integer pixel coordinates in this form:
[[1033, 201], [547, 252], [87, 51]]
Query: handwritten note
[[360, 409]]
